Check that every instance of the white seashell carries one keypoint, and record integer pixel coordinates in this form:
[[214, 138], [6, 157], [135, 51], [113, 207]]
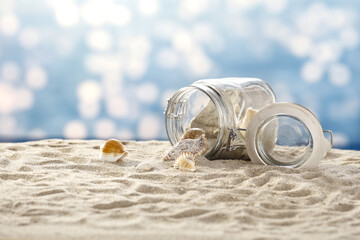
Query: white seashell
[[216, 132], [196, 146], [249, 114], [186, 162], [112, 151], [144, 167], [193, 133]]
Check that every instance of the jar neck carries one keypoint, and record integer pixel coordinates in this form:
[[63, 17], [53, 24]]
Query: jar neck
[[174, 115]]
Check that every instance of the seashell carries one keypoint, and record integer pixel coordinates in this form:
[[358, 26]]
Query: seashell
[[196, 146], [249, 114], [112, 151], [144, 167], [186, 162], [193, 133], [216, 132]]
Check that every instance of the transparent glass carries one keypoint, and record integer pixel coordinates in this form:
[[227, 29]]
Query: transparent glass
[[218, 107], [283, 140]]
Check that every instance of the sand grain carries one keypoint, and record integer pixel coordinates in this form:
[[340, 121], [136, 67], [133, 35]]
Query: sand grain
[[58, 189]]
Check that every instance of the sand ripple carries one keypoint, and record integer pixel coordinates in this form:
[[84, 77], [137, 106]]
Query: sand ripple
[[57, 189]]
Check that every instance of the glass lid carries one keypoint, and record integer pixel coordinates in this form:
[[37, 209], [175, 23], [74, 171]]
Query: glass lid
[[285, 134]]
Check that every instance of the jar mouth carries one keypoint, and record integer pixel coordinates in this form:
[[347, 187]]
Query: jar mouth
[[194, 107], [283, 140]]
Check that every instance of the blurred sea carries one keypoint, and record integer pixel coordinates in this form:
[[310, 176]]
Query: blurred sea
[[100, 69]]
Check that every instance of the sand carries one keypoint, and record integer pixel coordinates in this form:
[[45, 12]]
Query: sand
[[57, 189]]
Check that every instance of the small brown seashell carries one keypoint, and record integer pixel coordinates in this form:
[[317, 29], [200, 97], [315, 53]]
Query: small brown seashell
[[186, 162], [193, 133], [196, 146], [112, 151]]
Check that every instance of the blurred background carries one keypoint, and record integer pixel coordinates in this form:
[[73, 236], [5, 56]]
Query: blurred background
[[100, 69]]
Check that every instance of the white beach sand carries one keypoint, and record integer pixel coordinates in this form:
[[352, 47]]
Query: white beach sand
[[57, 189]]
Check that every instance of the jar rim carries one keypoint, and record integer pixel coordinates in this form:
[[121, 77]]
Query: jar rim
[[297, 111], [213, 96]]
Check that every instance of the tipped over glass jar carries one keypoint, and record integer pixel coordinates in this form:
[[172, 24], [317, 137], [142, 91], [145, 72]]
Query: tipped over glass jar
[[241, 120]]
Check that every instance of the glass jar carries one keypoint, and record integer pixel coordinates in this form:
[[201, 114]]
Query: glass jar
[[217, 106], [281, 134]]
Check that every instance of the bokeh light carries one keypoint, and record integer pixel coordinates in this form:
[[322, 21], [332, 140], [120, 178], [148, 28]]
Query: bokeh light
[[101, 69]]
